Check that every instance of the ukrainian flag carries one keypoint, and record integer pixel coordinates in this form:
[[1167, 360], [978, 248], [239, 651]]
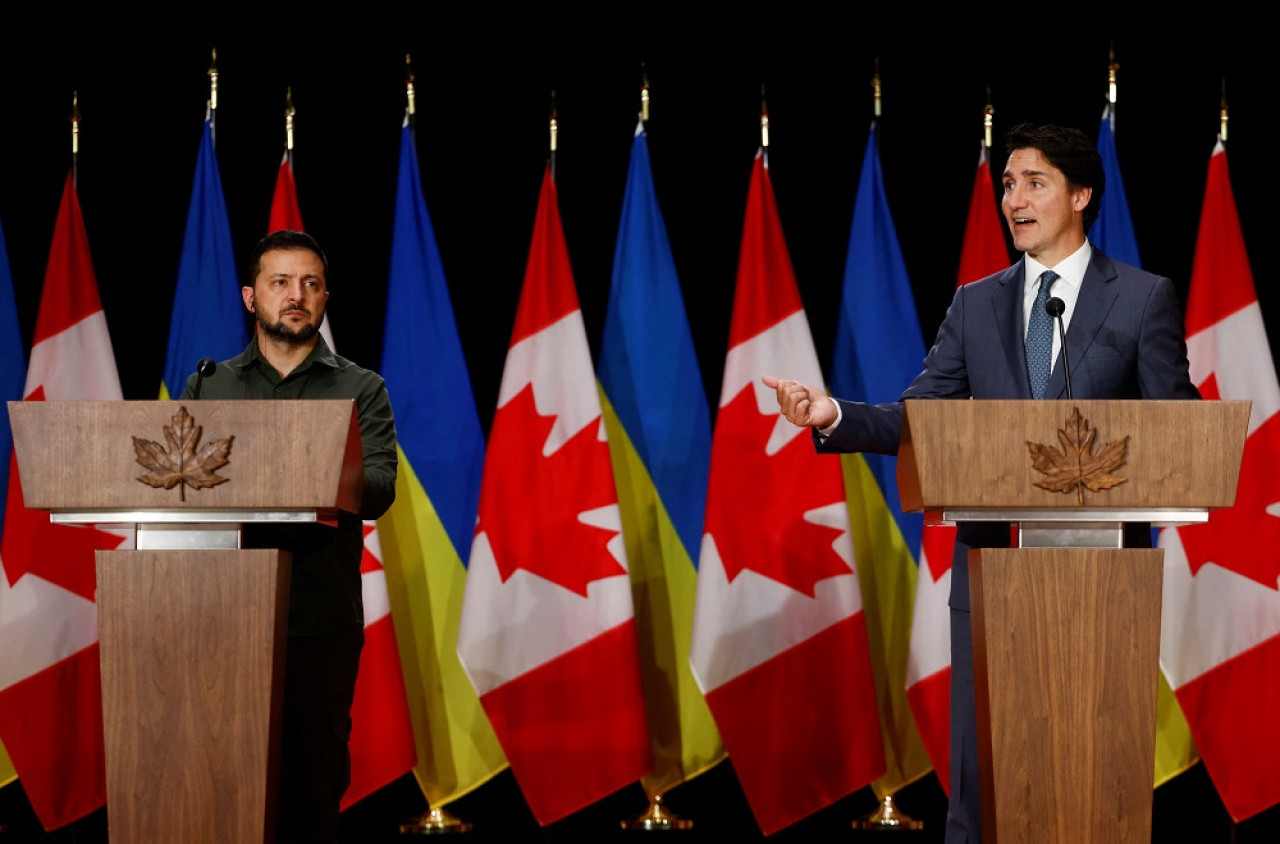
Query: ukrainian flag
[[426, 535]]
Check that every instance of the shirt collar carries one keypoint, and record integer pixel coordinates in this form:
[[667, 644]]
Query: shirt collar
[[1070, 269]]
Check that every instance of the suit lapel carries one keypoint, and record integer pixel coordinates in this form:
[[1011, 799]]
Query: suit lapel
[[1097, 295], [1007, 307]]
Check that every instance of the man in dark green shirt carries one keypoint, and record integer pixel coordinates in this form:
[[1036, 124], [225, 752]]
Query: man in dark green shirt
[[286, 289]]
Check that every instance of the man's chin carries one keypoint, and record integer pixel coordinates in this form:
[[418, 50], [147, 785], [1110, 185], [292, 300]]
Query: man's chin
[[289, 334]]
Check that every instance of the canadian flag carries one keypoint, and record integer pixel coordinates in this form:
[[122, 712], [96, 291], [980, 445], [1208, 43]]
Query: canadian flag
[[50, 683], [1220, 626], [779, 643], [547, 634], [382, 748], [983, 252]]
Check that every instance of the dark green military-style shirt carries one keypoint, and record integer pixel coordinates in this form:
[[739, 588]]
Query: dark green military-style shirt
[[325, 594]]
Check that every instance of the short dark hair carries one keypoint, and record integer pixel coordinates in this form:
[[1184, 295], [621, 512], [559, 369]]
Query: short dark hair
[[283, 239], [1071, 151]]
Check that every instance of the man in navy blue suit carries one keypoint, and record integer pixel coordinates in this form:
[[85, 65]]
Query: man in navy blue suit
[[1125, 340]]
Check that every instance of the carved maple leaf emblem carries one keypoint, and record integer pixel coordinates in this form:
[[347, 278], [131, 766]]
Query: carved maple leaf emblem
[[1076, 466], [185, 463]]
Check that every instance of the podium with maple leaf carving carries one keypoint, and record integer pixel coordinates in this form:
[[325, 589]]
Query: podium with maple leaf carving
[[191, 625], [1066, 625]]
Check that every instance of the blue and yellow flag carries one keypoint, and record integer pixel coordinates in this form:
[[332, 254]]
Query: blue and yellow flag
[[879, 349], [426, 535], [659, 429], [13, 377], [209, 318]]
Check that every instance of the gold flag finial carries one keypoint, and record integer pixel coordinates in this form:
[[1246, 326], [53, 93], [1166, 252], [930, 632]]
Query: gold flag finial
[[213, 81], [553, 124], [875, 86], [764, 119], [1111, 77], [408, 85], [1222, 113], [289, 113], [987, 114], [644, 94], [75, 122]]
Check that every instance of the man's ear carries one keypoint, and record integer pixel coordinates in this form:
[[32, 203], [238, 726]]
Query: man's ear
[[246, 293], [1083, 195]]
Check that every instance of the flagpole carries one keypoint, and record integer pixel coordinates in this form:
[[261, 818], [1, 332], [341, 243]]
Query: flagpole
[[213, 96], [75, 138], [435, 820], [886, 815], [656, 817]]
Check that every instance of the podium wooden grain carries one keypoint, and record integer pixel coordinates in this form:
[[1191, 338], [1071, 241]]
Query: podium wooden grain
[[191, 640], [1066, 639]]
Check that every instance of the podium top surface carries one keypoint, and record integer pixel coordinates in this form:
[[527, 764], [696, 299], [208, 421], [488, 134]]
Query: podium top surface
[[188, 456], [1108, 455]]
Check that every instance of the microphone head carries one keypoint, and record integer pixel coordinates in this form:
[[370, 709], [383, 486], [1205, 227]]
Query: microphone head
[[206, 367], [1054, 307]]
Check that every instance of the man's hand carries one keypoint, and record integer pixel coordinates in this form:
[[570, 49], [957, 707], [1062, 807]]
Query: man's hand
[[805, 406]]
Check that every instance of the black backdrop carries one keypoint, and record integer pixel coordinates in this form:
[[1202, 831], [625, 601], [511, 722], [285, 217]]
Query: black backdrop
[[484, 92]]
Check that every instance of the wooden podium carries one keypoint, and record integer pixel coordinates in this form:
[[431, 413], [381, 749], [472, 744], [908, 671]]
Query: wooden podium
[[1066, 626], [191, 626]]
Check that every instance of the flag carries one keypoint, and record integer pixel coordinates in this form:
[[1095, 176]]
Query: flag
[[426, 535], [1112, 232], [208, 318], [548, 630], [50, 685], [13, 374], [983, 251], [285, 214], [660, 441], [879, 349], [779, 643], [1220, 622], [382, 748]]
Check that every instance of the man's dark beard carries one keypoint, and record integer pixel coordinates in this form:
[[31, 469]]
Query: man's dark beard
[[282, 332]]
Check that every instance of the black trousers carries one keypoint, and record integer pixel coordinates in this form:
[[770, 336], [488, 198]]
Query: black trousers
[[315, 756]]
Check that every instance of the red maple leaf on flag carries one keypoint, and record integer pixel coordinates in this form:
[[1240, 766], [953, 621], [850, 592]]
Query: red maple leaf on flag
[[1233, 535], [368, 560], [533, 518], [762, 526]]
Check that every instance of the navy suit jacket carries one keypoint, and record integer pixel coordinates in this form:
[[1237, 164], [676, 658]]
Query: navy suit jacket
[[1126, 341]]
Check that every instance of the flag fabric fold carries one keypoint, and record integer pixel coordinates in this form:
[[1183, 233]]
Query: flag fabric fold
[[660, 442], [983, 251], [879, 349], [426, 535], [1112, 232], [208, 317], [50, 683], [13, 376], [548, 631], [1220, 623], [779, 643]]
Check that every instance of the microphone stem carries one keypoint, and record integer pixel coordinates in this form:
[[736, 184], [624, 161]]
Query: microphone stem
[[1066, 366]]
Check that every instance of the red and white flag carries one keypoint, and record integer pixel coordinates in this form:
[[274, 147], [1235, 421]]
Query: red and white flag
[[1220, 627], [779, 642], [547, 634], [983, 252], [50, 683], [382, 748]]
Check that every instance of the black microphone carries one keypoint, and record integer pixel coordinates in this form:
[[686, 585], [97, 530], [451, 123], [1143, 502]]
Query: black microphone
[[1054, 307], [204, 369]]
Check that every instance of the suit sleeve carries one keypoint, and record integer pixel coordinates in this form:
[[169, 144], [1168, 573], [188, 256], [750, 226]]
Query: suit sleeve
[[1163, 370], [378, 442]]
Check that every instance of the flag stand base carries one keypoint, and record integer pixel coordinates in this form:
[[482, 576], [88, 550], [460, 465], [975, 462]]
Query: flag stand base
[[657, 817], [434, 822], [888, 817]]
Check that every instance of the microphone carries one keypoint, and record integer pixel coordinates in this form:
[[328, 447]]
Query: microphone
[[204, 369], [1054, 307]]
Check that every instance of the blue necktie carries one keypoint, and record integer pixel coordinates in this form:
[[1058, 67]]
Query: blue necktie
[[1040, 338]]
